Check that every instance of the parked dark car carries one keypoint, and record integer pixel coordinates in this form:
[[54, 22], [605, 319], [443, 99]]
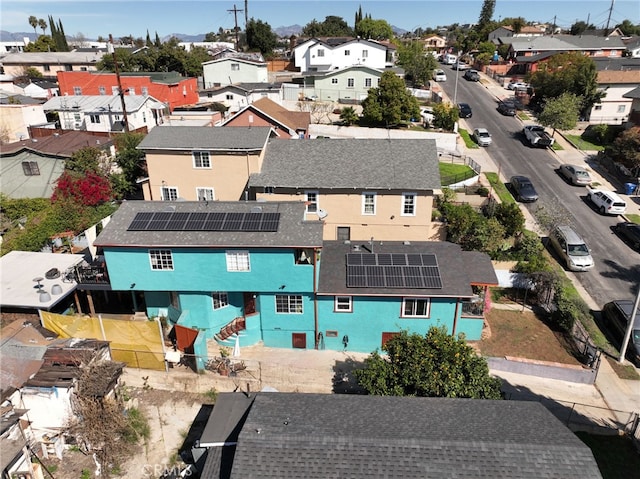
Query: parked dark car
[[616, 316], [465, 110], [630, 234], [472, 75], [507, 108], [523, 189]]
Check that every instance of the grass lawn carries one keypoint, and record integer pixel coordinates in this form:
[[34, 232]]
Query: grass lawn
[[556, 146], [453, 169], [523, 116], [633, 217], [499, 188], [469, 143], [583, 144]]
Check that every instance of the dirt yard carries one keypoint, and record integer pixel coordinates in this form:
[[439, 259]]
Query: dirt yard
[[524, 335]]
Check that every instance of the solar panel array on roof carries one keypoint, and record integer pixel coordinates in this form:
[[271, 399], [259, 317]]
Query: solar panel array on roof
[[387, 270], [178, 221]]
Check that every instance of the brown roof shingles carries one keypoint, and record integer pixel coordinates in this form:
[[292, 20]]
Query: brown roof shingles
[[63, 145]]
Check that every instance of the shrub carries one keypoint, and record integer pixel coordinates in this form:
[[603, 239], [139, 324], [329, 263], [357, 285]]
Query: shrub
[[483, 191]]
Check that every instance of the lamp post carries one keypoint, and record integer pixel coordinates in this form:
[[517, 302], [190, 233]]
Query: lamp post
[[455, 90]]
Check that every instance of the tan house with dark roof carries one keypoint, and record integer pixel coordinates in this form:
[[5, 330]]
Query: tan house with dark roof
[[265, 112]]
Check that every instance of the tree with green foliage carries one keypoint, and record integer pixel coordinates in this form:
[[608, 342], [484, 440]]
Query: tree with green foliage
[[131, 163], [42, 24], [510, 217], [348, 116], [486, 14], [370, 29], [433, 365], [33, 21], [390, 103], [44, 43], [485, 52], [626, 150], [332, 26], [628, 28], [561, 113], [147, 42], [260, 37], [58, 36], [579, 27], [418, 65], [567, 73], [157, 43], [358, 18], [32, 72], [445, 116]]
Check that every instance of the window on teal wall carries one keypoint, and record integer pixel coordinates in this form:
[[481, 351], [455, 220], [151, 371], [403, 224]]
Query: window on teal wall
[[220, 299], [343, 304], [161, 259], [238, 261], [288, 304], [415, 307]]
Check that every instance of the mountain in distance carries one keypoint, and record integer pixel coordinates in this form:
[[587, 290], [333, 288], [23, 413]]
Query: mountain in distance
[[6, 36], [285, 32]]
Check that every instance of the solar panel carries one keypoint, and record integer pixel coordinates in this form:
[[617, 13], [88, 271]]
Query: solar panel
[[196, 221], [177, 221], [396, 270], [233, 222], [159, 221], [214, 222], [252, 222], [140, 222], [270, 222]]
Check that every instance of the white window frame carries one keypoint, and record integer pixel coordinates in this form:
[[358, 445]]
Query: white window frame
[[220, 299], [343, 304], [369, 195], [321, 52], [102, 90], [77, 91], [95, 119], [238, 260], [347, 53], [413, 313], [365, 53], [30, 168], [235, 67], [201, 160], [229, 97], [368, 82], [169, 193], [161, 259], [621, 108], [406, 202], [204, 193], [351, 82], [144, 90], [313, 205], [131, 90], [289, 304], [334, 81]]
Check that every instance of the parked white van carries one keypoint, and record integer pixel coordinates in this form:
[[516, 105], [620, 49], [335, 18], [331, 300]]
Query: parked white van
[[571, 248], [450, 59]]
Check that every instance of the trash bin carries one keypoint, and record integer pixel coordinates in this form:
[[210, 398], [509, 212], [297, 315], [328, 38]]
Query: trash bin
[[629, 188]]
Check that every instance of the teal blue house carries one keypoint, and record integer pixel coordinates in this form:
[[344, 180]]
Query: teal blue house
[[259, 270]]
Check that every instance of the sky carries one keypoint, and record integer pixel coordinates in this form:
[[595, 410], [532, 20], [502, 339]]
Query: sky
[[93, 18]]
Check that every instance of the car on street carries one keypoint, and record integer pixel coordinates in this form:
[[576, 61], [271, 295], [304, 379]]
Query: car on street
[[607, 202], [629, 233], [472, 75], [464, 110], [507, 108], [576, 175], [482, 136], [617, 315], [517, 85], [571, 248], [439, 75], [460, 66], [523, 189]]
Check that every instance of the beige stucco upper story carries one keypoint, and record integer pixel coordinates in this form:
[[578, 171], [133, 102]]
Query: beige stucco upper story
[[364, 214], [224, 179]]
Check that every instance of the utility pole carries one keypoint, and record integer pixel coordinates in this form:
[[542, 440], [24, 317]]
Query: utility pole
[[125, 120], [606, 29], [627, 334], [246, 14], [235, 15]]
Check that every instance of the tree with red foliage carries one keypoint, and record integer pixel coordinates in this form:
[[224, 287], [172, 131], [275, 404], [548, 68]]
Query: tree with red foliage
[[88, 188]]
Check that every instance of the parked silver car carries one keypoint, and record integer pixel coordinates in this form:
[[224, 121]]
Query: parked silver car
[[482, 136], [571, 248], [576, 175]]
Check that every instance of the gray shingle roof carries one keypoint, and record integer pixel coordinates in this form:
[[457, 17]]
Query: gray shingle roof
[[292, 230], [409, 165], [204, 137], [314, 435], [458, 269], [97, 103]]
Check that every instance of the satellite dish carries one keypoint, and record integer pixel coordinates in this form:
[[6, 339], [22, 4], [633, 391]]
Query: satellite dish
[[322, 214]]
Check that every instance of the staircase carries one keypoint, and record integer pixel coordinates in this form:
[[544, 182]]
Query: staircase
[[235, 326]]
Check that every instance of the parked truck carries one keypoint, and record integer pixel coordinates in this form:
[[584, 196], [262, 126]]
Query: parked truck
[[537, 136]]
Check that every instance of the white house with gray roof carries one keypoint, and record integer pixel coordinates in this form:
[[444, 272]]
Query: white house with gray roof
[[231, 70], [360, 188], [327, 54], [104, 113]]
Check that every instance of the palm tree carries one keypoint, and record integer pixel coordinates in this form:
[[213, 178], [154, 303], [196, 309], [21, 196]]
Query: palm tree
[[33, 21], [348, 116], [42, 24]]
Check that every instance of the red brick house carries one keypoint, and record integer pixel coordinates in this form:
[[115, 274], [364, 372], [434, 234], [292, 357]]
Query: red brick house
[[264, 112], [170, 88]]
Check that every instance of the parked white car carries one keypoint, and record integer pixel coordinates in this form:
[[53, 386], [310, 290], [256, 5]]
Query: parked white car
[[606, 202], [426, 113], [439, 75], [482, 136], [517, 85]]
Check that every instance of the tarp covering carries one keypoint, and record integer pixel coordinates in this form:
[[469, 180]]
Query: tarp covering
[[139, 344]]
